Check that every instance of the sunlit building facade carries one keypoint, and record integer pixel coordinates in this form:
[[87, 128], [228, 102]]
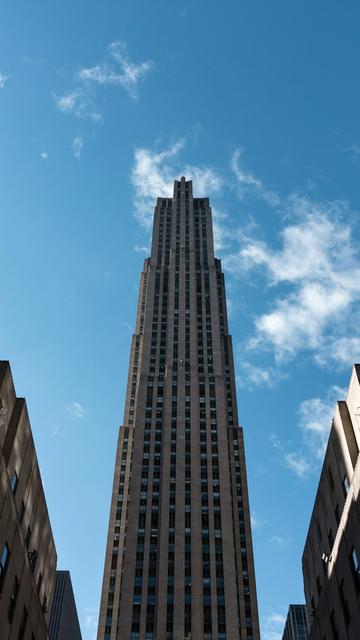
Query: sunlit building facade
[[331, 558]]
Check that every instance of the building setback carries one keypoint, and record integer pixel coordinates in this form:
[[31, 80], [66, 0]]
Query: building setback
[[179, 560], [64, 622], [296, 626], [27, 550], [331, 558]]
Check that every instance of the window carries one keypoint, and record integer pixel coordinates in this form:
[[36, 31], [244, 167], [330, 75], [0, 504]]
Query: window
[[4, 560], [14, 481], [355, 566], [346, 485]]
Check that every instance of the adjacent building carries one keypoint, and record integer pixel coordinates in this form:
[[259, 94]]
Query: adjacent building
[[296, 626], [179, 559], [331, 559], [27, 550], [64, 622]]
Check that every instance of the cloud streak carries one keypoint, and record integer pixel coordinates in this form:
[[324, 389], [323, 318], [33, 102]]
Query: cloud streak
[[75, 410], [77, 147], [78, 103], [247, 183], [3, 80], [118, 71]]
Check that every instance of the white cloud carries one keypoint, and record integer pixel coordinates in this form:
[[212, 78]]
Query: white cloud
[[315, 418], [343, 352], [44, 155], [153, 175], [3, 80], [273, 626], [77, 146], [318, 267], [251, 375], [78, 103], [125, 73], [75, 410]]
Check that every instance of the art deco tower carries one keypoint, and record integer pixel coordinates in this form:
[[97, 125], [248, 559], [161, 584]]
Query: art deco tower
[[179, 561]]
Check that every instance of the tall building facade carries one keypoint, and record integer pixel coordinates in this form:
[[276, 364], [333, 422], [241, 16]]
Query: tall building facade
[[179, 560], [64, 621], [296, 626], [27, 549], [331, 558]]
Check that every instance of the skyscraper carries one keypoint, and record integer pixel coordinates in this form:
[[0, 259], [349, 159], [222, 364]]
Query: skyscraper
[[179, 561]]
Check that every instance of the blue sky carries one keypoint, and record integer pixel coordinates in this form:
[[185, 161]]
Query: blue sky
[[102, 106]]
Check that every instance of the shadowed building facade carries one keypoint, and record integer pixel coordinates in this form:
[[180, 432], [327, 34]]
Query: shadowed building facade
[[296, 626], [179, 560], [64, 622], [331, 558], [27, 550]]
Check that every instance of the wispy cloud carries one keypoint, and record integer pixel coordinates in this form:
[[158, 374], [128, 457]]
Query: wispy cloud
[[256, 521], [91, 616], [153, 175], [278, 541], [118, 70], [44, 155], [78, 103], [3, 80], [251, 375], [75, 410], [127, 325], [77, 147], [353, 149], [315, 418], [273, 626], [297, 463], [56, 432], [141, 249], [340, 351], [314, 423], [247, 183]]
